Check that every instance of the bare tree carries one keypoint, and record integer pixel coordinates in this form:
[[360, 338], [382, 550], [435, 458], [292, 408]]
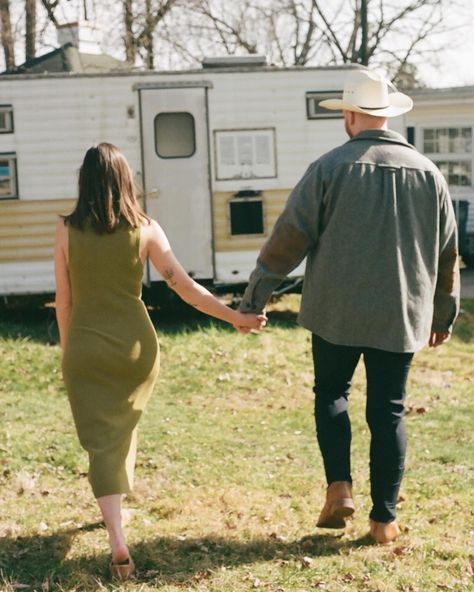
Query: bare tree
[[381, 32], [140, 27], [8, 42], [50, 7], [387, 34], [30, 29]]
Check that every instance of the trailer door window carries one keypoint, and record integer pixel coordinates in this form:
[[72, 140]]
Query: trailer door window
[[175, 135], [6, 119], [8, 184]]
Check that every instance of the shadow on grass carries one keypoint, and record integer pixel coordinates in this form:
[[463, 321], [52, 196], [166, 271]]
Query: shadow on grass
[[38, 322], [160, 561]]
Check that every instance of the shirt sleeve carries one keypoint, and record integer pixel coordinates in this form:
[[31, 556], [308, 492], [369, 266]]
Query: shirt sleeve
[[295, 233], [447, 293]]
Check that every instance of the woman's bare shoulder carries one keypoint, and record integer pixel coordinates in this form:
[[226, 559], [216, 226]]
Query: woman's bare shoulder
[[61, 228]]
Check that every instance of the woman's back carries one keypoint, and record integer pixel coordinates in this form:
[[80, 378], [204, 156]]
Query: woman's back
[[105, 271]]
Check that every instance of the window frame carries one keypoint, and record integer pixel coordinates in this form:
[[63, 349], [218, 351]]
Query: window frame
[[450, 157], [155, 134], [321, 95], [11, 156], [8, 109]]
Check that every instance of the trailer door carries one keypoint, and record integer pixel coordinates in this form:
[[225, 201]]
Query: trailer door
[[175, 154]]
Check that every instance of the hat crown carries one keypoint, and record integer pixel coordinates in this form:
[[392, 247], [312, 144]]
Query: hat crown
[[366, 90]]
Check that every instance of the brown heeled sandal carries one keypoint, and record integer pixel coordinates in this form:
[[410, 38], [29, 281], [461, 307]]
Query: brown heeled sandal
[[122, 570]]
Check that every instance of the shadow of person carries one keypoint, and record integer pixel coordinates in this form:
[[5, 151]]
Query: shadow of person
[[172, 561], [30, 560], [161, 561]]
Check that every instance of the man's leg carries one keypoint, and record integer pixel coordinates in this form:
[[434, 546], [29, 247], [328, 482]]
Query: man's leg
[[387, 374], [334, 366]]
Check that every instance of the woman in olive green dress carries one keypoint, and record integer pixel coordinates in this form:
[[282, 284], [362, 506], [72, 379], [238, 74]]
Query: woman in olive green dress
[[110, 350]]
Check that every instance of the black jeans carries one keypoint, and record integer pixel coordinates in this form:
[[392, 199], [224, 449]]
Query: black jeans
[[386, 373]]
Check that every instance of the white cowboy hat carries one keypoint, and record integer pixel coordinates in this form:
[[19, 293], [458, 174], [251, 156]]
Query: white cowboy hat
[[366, 91]]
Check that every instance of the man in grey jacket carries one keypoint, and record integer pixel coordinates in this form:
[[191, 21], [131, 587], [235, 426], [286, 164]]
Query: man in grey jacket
[[374, 219]]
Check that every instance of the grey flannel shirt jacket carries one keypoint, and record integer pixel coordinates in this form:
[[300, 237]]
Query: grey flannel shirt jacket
[[375, 220]]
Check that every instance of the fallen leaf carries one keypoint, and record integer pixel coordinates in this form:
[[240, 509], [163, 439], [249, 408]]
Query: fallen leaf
[[200, 576], [348, 577], [24, 482], [399, 551], [9, 530]]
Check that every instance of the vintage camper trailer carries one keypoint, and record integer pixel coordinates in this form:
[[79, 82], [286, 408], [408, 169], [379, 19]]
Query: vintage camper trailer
[[216, 150]]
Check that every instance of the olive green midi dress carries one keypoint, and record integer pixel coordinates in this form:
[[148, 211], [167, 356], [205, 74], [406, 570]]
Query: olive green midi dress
[[111, 358]]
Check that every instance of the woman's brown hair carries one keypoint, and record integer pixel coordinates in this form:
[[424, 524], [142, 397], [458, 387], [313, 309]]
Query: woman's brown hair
[[107, 196]]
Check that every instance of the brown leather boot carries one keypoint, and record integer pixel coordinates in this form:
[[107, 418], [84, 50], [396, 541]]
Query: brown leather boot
[[338, 506], [384, 532]]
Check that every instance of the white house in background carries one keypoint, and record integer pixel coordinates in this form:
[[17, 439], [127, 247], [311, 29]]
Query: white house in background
[[441, 126], [216, 150]]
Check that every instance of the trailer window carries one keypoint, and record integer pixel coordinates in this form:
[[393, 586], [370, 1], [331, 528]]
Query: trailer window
[[8, 183], [6, 119], [175, 135], [314, 111], [245, 154]]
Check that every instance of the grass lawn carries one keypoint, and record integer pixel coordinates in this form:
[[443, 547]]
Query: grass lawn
[[229, 478]]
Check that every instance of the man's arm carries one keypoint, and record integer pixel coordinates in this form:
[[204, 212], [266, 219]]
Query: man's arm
[[447, 294], [294, 234]]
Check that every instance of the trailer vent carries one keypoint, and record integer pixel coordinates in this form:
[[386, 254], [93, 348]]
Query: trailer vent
[[252, 61], [246, 213]]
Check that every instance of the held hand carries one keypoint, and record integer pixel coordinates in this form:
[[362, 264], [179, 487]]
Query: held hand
[[246, 322], [437, 339]]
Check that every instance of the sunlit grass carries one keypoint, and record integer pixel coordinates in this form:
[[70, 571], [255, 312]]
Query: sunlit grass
[[229, 478]]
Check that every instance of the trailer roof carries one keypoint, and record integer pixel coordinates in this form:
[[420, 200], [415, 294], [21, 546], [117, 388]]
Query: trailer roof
[[195, 71]]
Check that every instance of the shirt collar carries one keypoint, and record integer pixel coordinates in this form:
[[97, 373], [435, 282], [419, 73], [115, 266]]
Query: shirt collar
[[379, 135]]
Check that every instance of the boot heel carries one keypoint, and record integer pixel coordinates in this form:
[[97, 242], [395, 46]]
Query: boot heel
[[343, 508]]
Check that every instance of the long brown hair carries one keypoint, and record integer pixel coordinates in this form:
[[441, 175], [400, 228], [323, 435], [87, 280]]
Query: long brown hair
[[107, 196]]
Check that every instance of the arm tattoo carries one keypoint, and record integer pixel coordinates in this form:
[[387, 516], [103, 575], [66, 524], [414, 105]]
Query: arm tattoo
[[169, 275]]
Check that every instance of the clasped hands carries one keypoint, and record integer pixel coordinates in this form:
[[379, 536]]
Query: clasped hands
[[249, 321]]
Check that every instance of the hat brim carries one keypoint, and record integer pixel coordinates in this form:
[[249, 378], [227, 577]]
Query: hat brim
[[399, 103]]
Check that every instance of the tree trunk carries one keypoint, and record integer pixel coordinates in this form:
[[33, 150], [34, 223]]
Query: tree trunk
[[130, 46], [30, 34], [364, 25], [148, 37], [7, 35]]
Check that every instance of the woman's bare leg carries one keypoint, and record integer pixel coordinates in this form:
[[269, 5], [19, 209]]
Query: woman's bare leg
[[111, 508]]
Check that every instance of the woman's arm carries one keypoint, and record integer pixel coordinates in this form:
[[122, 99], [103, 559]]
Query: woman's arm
[[63, 284], [164, 260]]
